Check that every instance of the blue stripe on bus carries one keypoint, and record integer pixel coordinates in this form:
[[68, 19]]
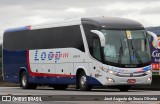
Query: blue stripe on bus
[[17, 29]]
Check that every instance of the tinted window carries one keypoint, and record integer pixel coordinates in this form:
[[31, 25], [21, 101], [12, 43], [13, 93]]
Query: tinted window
[[96, 48], [89, 35], [59, 37]]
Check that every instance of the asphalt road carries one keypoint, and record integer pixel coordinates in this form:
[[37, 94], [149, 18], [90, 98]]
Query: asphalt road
[[73, 94]]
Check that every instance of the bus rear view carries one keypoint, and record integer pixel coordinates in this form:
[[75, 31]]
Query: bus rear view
[[87, 52]]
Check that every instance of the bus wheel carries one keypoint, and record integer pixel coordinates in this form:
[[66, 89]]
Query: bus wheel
[[124, 88], [60, 87], [83, 82], [24, 82]]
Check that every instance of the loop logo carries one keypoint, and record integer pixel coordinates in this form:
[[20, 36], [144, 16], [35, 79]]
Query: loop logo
[[41, 55]]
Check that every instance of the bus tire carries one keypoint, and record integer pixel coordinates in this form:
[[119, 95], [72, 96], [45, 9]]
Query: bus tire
[[60, 87], [83, 82], [124, 88], [24, 82]]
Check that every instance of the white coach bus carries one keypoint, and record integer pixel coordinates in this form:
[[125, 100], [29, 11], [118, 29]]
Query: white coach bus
[[87, 52]]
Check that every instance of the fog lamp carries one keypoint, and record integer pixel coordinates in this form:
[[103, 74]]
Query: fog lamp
[[149, 79], [110, 79]]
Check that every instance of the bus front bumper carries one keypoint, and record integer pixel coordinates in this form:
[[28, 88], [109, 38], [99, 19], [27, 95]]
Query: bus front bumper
[[116, 80]]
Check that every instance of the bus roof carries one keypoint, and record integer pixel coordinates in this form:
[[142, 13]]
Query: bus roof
[[100, 22], [114, 23]]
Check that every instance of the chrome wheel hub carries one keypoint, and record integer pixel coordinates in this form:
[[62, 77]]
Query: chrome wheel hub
[[83, 81], [24, 80]]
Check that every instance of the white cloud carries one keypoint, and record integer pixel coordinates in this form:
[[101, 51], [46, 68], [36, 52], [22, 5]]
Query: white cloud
[[76, 10], [36, 19]]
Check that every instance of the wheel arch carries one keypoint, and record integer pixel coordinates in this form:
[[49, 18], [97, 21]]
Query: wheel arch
[[82, 68], [23, 69], [78, 71]]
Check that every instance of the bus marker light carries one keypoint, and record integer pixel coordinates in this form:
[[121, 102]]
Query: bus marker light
[[98, 75]]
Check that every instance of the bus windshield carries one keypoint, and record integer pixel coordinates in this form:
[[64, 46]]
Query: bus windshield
[[126, 47]]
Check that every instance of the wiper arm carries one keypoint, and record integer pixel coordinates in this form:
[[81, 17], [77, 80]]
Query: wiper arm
[[120, 53], [136, 54]]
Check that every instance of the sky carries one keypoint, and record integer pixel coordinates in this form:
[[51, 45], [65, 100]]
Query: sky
[[16, 13]]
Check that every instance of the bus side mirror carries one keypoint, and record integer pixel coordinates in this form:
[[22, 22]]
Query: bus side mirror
[[101, 37], [155, 38]]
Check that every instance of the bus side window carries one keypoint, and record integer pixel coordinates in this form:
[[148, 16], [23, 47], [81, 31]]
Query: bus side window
[[96, 48]]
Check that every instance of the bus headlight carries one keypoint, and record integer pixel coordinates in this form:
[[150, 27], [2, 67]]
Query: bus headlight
[[106, 70], [110, 72], [148, 72]]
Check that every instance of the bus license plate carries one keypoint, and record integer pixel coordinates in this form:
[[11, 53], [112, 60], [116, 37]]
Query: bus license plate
[[131, 80]]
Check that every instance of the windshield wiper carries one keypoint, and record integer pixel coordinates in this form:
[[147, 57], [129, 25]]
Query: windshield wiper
[[134, 52], [120, 53]]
